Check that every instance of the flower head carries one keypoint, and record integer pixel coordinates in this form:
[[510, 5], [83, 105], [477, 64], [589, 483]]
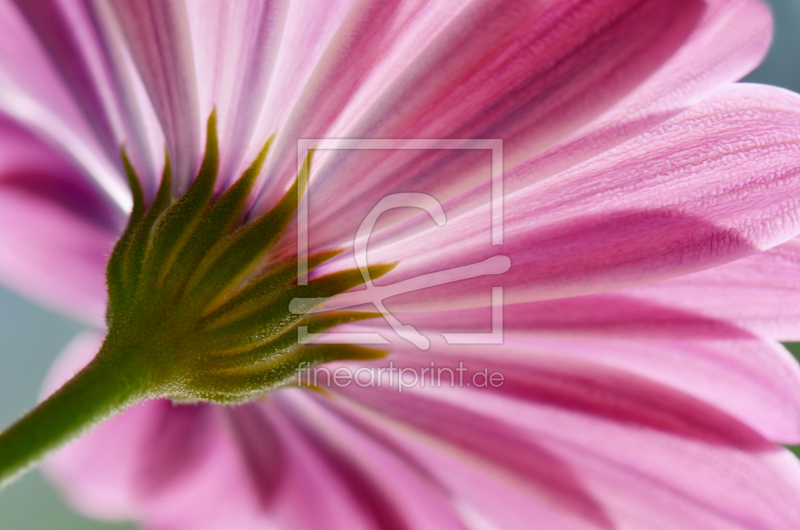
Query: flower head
[[639, 282]]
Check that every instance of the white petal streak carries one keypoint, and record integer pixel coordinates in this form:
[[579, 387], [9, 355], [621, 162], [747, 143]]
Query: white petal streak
[[235, 45], [373, 45], [158, 35], [28, 111]]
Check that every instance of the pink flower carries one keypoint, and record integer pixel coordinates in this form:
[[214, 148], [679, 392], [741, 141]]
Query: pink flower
[[649, 207]]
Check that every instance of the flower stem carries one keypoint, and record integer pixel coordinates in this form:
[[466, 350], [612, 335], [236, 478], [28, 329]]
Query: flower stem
[[97, 392]]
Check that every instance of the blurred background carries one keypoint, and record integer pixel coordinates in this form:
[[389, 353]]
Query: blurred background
[[31, 337]]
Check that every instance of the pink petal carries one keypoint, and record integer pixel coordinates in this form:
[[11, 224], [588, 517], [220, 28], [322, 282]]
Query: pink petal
[[153, 462], [551, 444], [236, 45], [385, 488], [752, 379], [56, 230], [26, 67], [89, 61], [34, 92], [760, 293], [734, 37], [345, 493], [494, 477], [685, 53], [159, 39], [613, 315], [200, 467], [309, 27], [650, 456], [164, 465], [714, 184], [382, 36]]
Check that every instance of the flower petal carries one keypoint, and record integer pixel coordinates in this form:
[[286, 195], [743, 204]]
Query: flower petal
[[760, 293], [202, 467], [650, 63], [387, 35], [552, 443], [540, 488], [34, 92], [56, 231], [159, 39], [157, 463], [386, 489], [613, 315], [632, 443], [88, 57], [235, 46], [716, 183], [310, 25]]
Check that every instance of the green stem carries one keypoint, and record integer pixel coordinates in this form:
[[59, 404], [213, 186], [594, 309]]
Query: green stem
[[97, 392]]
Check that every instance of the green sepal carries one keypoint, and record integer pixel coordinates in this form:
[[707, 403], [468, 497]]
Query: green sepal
[[125, 264], [174, 228], [283, 343], [272, 318], [117, 274], [230, 261], [261, 289], [242, 384], [198, 311], [193, 287], [218, 222]]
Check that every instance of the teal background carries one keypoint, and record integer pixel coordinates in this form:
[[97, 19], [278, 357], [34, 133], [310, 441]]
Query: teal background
[[31, 337]]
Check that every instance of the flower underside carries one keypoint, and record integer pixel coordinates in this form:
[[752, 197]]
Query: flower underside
[[190, 298], [194, 314]]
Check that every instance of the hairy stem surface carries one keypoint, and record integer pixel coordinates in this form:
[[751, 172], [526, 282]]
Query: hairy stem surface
[[103, 388]]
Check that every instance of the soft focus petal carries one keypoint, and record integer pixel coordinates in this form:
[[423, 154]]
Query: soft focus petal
[[309, 27], [88, 57], [545, 490], [552, 443], [752, 379], [199, 467], [25, 67], [716, 183], [56, 229], [35, 92], [159, 38], [384, 487], [156, 462], [235, 46], [289, 475], [650, 455], [375, 34]]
